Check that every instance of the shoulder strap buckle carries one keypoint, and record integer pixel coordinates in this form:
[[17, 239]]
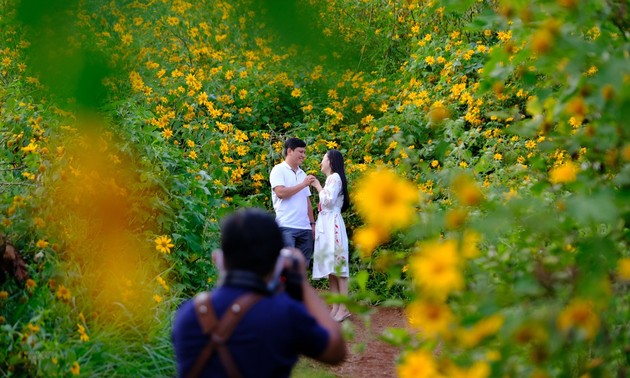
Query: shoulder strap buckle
[[219, 331]]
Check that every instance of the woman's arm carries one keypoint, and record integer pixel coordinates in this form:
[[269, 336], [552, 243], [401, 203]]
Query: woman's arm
[[328, 195]]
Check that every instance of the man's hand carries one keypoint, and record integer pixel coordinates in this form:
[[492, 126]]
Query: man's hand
[[308, 180], [335, 351], [292, 255]]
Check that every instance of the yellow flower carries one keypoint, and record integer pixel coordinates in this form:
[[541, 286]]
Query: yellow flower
[[366, 239], [431, 318], [479, 369], [591, 71], [83, 336], [466, 190], [126, 39], [157, 298], [564, 173], [455, 218], [577, 107], [32, 147], [331, 145], [438, 112], [63, 293], [367, 119], [192, 155], [469, 244], [498, 156], [542, 41], [163, 283], [436, 268], [530, 332], [579, 315], [469, 337], [41, 244], [30, 284], [75, 369], [38, 222], [623, 269], [568, 3], [385, 200], [163, 244], [167, 133], [296, 92], [418, 364]]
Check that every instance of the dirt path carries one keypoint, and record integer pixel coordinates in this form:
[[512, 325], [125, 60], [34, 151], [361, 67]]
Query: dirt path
[[377, 358]]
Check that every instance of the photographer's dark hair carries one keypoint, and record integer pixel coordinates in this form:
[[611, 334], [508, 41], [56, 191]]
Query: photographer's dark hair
[[251, 240], [336, 165], [293, 143]]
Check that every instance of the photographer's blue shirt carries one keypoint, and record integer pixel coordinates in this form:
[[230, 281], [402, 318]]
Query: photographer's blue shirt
[[266, 342]]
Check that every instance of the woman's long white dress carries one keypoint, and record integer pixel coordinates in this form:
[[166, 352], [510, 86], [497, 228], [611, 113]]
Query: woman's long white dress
[[330, 254]]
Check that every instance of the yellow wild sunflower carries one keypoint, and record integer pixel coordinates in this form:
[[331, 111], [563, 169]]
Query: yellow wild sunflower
[[479, 369], [564, 173], [75, 369], [623, 269], [432, 318], [367, 238], [579, 315], [436, 268], [164, 244], [63, 293], [385, 200], [470, 337], [466, 190], [418, 364]]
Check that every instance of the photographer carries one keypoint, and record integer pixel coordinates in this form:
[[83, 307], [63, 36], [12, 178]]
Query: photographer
[[263, 316]]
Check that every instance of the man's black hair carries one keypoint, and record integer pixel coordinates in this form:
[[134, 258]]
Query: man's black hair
[[251, 240], [293, 143]]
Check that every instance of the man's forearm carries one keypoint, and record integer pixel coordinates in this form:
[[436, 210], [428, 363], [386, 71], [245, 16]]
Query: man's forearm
[[285, 192]]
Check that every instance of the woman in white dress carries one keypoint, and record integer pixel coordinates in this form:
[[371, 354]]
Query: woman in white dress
[[330, 254]]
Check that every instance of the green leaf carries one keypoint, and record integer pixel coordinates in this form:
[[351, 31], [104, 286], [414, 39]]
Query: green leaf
[[592, 209], [396, 336], [527, 286], [361, 279]]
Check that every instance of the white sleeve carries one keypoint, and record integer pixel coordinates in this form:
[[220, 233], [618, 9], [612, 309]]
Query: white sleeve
[[328, 195], [276, 178]]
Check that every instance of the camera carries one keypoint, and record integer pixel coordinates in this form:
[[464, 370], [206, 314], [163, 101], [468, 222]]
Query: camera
[[287, 275]]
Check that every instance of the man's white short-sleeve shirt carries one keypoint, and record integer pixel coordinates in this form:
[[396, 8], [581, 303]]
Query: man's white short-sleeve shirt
[[291, 212]]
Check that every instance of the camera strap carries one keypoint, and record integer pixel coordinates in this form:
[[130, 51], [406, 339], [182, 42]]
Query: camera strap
[[219, 331]]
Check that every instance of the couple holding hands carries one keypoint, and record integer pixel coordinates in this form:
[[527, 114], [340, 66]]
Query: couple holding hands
[[325, 240], [244, 327]]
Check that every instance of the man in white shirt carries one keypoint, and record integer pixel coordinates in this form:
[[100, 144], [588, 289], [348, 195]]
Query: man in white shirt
[[291, 198]]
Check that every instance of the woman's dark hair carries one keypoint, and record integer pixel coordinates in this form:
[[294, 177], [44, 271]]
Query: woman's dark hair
[[336, 166], [251, 240]]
